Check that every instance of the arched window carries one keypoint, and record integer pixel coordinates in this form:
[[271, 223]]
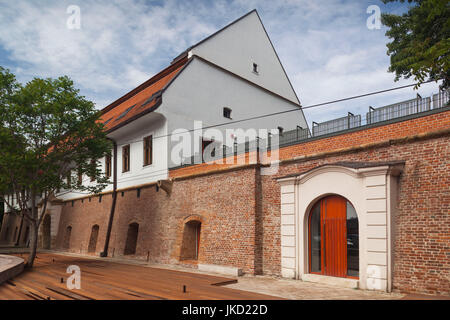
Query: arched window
[[93, 239], [132, 236], [334, 238], [191, 240]]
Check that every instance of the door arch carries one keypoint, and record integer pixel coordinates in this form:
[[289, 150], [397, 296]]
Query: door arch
[[333, 238], [93, 238]]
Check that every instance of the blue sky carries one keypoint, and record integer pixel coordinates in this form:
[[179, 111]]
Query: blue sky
[[325, 46]]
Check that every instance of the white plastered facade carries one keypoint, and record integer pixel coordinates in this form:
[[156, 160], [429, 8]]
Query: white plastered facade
[[373, 193]]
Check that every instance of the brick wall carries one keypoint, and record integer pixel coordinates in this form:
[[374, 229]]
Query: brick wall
[[82, 216], [422, 224], [11, 228], [239, 209], [223, 203]]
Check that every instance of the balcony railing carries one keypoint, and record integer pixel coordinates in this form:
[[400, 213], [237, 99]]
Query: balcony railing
[[339, 124], [351, 121]]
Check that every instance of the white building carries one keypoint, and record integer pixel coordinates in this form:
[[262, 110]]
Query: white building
[[233, 74]]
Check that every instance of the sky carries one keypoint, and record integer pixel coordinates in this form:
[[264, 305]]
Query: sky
[[325, 46]]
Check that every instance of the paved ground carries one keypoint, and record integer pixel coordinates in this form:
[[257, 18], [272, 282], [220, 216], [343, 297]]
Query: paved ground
[[299, 290], [247, 287]]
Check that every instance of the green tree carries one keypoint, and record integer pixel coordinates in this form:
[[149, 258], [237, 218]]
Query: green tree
[[48, 131], [420, 45]]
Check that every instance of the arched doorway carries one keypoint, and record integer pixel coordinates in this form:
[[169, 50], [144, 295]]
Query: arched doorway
[[66, 242], [132, 235], [333, 238], [93, 239], [191, 240], [46, 232]]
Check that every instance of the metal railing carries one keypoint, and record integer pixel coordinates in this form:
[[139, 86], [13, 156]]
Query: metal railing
[[406, 108], [351, 121], [339, 124]]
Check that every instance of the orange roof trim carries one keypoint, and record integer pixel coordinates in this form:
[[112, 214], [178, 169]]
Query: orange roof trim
[[140, 100]]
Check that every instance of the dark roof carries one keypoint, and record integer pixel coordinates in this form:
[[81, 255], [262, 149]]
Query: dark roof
[[141, 100], [349, 164]]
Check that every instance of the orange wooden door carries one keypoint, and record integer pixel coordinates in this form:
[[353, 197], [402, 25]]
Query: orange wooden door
[[334, 236]]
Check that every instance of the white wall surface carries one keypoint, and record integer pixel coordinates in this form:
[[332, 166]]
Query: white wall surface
[[201, 92], [133, 134], [240, 45]]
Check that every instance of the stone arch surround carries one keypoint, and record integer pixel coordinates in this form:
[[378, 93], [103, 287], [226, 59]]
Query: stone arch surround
[[371, 189]]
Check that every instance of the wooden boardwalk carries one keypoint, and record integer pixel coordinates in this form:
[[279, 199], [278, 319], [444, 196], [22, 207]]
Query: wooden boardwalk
[[104, 280]]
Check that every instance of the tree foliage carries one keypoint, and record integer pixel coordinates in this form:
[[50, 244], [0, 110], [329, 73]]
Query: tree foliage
[[48, 131], [420, 45]]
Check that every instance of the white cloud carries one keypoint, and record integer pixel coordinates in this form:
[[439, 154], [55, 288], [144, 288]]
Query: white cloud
[[325, 46]]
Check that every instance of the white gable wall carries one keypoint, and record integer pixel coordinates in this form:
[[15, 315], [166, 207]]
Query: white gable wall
[[241, 44], [201, 92]]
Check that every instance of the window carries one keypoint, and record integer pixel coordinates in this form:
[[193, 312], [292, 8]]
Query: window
[[255, 68], [148, 152], [108, 165], [227, 113], [126, 158], [206, 143]]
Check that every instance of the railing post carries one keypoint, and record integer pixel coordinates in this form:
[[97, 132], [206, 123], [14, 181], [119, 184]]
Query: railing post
[[369, 118], [314, 124], [348, 119], [298, 127]]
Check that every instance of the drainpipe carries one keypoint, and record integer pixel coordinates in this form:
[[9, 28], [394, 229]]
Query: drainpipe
[[114, 198]]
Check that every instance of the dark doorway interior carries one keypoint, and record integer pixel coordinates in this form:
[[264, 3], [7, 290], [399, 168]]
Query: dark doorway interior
[[93, 239], [132, 235], [191, 240]]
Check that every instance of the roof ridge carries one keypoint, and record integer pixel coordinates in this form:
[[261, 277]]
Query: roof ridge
[[164, 72], [185, 52]]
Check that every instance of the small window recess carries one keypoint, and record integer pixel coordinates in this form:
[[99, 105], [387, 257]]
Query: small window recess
[[255, 68], [227, 112]]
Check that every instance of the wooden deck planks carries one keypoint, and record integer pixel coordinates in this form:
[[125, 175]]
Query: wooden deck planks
[[104, 280]]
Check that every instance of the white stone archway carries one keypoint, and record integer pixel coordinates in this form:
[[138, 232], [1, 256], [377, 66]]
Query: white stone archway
[[372, 190]]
